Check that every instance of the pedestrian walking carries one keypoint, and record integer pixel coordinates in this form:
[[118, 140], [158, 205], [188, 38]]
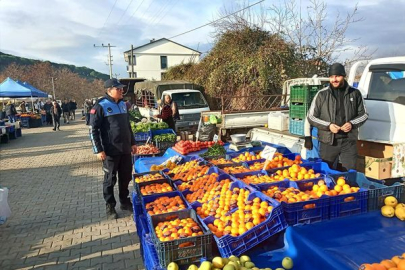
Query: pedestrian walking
[[113, 142], [47, 109], [73, 108], [66, 111], [87, 107], [56, 112], [338, 111], [11, 111]]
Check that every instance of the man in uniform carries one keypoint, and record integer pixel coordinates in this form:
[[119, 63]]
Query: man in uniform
[[113, 142], [338, 111]]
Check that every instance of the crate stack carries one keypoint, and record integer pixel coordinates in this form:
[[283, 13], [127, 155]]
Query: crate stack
[[300, 100]]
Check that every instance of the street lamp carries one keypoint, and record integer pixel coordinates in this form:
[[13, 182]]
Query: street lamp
[[53, 88]]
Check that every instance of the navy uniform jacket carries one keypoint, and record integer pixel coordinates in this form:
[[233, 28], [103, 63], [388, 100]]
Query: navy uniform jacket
[[110, 128]]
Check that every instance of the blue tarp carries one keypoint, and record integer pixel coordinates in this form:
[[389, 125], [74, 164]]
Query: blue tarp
[[12, 89]]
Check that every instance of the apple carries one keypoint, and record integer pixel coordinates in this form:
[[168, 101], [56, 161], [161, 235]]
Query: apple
[[287, 263]]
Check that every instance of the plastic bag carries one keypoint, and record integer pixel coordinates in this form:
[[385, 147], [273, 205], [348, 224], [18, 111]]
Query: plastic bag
[[5, 211], [206, 133]]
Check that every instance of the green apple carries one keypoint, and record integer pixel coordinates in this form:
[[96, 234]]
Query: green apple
[[287, 263]]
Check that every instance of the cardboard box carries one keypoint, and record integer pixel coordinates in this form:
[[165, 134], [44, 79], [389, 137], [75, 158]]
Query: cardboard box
[[361, 164], [378, 168], [374, 149]]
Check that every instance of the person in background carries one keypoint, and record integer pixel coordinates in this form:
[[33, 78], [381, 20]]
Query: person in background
[[47, 109], [166, 114], [87, 107], [338, 111], [73, 108], [56, 112], [23, 108], [113, 142], [11, 112], [66, 111], [128, 104]]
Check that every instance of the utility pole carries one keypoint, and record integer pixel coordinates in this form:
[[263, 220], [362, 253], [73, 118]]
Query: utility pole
[[53, 89], [109, 55], [131, 62]]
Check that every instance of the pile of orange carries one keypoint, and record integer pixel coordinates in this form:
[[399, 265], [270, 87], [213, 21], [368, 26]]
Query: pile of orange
[[205, 191], [227, 201], [148, 177], [176, 229], [295, 173], [199, 182], [258, 179], [155, 189], [165, 205], [278, 161], [248, 215], [396, 263], [220, 161], [246, 157], [192, 173], [341, 188], [184, 167], [234, 170]]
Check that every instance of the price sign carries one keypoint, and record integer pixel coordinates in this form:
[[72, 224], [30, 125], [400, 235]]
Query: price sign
[[215, 139], [268, 152]]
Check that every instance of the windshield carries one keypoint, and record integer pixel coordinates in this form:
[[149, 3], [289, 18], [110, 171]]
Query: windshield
[[388, 84], [189, 100]]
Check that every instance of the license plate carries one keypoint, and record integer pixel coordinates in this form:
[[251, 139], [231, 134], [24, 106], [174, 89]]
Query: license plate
[[192, 123]]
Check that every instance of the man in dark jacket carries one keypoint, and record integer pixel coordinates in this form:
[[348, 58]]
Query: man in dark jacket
[[72, 108], [338, 111], [113, 142], [56, 112], [11, 112], [66, 111]]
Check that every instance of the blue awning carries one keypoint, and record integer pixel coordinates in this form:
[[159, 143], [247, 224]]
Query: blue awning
[[12, 89]]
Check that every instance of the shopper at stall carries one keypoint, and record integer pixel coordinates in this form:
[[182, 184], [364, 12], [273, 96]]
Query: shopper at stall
[[338, 111], [47, 109], [23, 109], [11, 112], [66, 111], [56, 112], [73, 108], [169, 112], [113, 142]]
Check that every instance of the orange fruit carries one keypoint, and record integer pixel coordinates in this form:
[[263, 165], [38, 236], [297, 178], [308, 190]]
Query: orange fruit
[[341, 181], [388, 264], [378, 266], [401, 264], [366, 266], [397, 259], [338, 188]]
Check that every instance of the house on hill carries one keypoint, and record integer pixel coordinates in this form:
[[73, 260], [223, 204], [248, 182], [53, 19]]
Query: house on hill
[[151, 60]]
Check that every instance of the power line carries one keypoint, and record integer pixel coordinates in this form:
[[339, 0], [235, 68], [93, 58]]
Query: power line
[[122, 16], [217, 19], [164, 15], [107, 17], [160, 11], [136, 10]]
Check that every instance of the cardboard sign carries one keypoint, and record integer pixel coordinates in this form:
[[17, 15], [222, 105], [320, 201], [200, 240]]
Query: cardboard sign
[[215, 139], [268, 152]]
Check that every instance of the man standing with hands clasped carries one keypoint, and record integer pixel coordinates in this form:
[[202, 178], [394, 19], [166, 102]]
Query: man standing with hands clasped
[[338, 111], [113, 142]]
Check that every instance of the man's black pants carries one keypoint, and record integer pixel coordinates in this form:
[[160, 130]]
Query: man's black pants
[[344, 148], [113, 165]]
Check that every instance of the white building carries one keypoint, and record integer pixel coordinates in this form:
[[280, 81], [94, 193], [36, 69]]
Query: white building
[[152, 60]]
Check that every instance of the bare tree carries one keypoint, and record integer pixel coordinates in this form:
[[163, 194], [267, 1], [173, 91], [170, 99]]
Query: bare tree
[[318, 42]]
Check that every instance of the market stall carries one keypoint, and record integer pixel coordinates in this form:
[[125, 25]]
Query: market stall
[[242, 204]]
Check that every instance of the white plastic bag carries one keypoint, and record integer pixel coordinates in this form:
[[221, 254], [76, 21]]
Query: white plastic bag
[[5, 211]]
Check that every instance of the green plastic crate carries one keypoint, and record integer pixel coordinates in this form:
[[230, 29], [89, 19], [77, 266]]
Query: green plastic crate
[[299, 111], [303, 93]]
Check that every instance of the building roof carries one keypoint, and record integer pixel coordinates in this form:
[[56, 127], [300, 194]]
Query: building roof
[[147, 44]]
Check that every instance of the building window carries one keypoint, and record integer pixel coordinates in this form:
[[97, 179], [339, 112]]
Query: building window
[[134, 60], [135, 75], [163, 62]]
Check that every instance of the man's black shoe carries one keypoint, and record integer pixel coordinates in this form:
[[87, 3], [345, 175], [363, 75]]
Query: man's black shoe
[[126, 206], [111, 213]]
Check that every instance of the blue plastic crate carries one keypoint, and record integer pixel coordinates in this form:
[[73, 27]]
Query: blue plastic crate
[[275, 222], [25, 122], [349, 204], [142, 136], [170, 251], [240, 176], [162, 131], [149, 255], [296, 127], [376, 192], [138, 187], [18, 132], [136, 204], [152, 198], [141, 226]]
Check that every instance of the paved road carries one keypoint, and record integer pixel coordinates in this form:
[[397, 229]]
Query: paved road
[[58, 213]]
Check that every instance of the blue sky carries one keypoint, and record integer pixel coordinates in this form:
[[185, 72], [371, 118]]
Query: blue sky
[[65, 31]]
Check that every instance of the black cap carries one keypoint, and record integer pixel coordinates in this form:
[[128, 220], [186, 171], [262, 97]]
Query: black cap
[[337, 69], [113, 83]]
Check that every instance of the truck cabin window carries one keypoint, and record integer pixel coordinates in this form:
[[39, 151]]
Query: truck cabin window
[[388, 85], [189, 100]]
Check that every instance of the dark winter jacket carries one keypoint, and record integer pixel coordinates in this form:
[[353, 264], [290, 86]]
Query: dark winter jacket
[[59, 110], [110, 128], [47, 107], [65, 107], [322, 112], [72, 105], [10, 110]]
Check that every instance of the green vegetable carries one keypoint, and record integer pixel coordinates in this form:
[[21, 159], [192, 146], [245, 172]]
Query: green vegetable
[[145, 127], [213, 119], [214, 151], [165, 137]]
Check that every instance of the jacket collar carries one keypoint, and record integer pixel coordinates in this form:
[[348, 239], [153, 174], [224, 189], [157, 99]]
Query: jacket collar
[[107, 96], [348, 89]]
